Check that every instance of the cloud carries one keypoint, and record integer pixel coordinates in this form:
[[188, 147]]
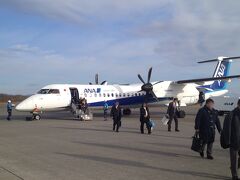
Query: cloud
[[83, 11], [195, 30], [128, 38]]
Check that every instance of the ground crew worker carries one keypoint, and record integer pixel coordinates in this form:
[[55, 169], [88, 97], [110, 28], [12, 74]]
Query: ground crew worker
[[9, 109]]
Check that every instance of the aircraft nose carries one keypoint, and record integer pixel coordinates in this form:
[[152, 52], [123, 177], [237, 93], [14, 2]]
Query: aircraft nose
[[26, 105]]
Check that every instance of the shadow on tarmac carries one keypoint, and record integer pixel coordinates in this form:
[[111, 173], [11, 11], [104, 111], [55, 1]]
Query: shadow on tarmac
[[140, 165]]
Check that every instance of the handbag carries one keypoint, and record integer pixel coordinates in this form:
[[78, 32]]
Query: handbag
[[196, 143], [165, 120], [151, 123]]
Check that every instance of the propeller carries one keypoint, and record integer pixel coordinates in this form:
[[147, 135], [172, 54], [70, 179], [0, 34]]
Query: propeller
[[221, 58], [148, 86], [97, 80]]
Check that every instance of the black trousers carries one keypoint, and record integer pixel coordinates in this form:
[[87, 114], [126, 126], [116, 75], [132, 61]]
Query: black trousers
[[105, 111], [171, 118], [234, 159], [116, 125], [209, 148], [147, 125], [9, 115]]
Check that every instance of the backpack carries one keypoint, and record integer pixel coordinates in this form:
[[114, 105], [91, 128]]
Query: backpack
[[225, 137]]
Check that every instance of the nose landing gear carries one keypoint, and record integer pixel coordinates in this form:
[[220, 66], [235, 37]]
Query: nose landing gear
[[35, 115]]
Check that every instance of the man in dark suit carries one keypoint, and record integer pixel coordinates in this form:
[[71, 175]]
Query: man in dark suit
[[116, 113], [172, 113], [231, 132], [205, 123], [145, 118]]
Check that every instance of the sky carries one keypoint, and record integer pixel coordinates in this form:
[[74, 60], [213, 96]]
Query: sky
[[57, 41]]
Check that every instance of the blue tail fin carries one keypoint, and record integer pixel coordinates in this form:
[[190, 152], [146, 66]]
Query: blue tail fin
[[221, 70]]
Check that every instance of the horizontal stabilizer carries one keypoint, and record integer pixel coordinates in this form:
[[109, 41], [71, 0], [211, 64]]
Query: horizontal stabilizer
[[220, 59], [226, 78]]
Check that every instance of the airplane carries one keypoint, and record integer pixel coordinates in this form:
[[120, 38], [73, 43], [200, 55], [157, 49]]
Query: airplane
[[59, 97]]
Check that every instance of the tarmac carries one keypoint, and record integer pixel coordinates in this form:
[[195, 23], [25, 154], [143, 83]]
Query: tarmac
[[59, 147]]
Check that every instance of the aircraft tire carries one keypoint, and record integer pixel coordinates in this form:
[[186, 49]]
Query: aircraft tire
[[37, 117], [127, 111]]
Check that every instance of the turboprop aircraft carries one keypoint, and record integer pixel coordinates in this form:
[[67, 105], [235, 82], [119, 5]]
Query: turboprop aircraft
[[58, 97]]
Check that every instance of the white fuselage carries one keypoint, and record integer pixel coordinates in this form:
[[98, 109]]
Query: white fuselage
[[58, 97]]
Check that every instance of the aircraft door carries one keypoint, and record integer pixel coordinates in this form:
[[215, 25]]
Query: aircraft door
[[74, 95]]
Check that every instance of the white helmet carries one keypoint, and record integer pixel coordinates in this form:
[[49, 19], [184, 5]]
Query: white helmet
[[9, 101]]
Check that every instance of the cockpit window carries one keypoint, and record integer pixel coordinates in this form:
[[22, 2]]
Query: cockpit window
[[43, 91], [49, 91], [54, 91]]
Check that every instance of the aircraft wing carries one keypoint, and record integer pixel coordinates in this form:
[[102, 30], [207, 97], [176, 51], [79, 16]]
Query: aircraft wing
[[202, 80]]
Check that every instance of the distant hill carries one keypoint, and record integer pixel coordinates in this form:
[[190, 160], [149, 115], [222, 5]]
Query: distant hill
[[14, 98]]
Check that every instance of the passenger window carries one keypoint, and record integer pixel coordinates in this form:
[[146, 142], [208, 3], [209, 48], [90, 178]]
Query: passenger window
[[95, 95], [100, 95], [104, 95], [112, 95], [124, 94], [108, 95], [116, 95]]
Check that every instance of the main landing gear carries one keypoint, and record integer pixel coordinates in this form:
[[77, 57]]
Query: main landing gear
[[127, 111]]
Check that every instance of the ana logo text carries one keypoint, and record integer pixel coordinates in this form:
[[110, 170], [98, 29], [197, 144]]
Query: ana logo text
[[221, 73], [228, 103]]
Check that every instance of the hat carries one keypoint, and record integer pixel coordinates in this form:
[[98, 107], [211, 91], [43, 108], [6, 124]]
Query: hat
[[9, 101]]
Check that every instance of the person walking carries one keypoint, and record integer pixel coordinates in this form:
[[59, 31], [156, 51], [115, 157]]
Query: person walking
[[116, 113], [172, 113], [9, 109], [205, 123], [231, 134], [145, 118], [105, 110]]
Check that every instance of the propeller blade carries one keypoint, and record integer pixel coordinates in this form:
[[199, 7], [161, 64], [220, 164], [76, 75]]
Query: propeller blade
[[149, 75], [96, 78], [154, 95], [141, 79], [103, 82], [157, 82]]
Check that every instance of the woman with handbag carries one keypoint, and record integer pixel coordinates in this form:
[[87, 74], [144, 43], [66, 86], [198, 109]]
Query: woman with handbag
[[145, 118]]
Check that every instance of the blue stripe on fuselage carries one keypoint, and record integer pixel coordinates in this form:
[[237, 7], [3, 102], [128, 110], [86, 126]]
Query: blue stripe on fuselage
[[128, 101]]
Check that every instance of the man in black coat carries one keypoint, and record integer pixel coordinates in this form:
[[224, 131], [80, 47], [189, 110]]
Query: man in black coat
[[172, 112], [145, 118], [205, 123], [116, 113], [231, 132]]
